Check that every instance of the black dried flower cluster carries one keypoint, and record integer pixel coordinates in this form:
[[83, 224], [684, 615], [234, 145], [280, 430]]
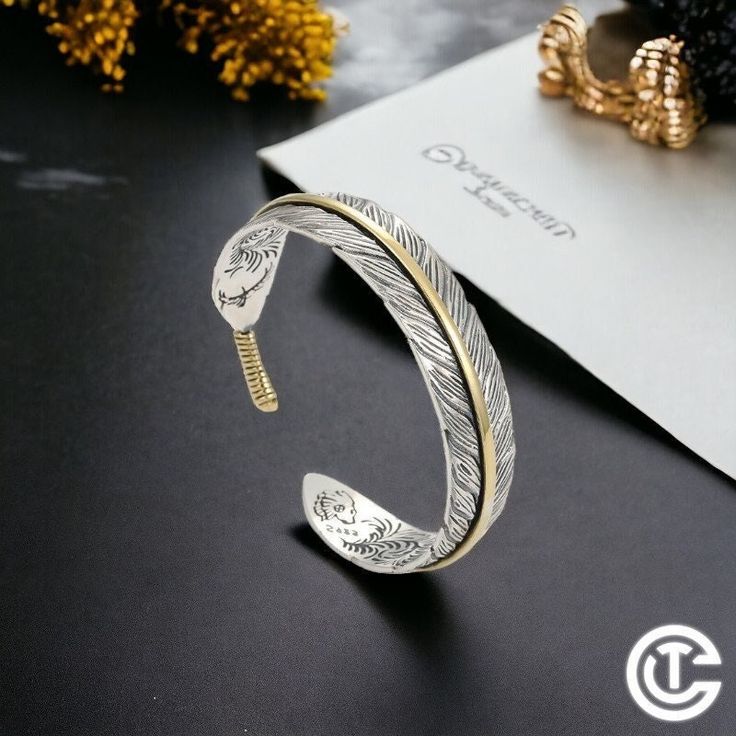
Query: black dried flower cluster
[[708, 28]]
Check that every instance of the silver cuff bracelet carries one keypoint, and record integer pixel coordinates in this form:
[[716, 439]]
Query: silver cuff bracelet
[[450, 345]]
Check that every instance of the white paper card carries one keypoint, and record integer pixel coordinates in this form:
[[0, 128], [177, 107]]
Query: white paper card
[[620, 253]]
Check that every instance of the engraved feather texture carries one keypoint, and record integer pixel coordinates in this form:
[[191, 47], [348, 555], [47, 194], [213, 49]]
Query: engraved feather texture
[[438, 363]]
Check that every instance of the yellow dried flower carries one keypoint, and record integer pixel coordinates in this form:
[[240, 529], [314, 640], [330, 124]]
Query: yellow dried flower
[[284, 42], [94, 33]]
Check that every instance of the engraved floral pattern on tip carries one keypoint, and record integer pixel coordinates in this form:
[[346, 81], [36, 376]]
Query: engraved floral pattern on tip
[[250, 252], [387, 542], [337, 504], [240, 299]]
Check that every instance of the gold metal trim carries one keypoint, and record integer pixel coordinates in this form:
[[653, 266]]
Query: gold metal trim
[[256, 379], [437, 306]]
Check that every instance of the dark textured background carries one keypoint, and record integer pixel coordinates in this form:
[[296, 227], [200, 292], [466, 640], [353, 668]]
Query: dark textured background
[[157, 577]]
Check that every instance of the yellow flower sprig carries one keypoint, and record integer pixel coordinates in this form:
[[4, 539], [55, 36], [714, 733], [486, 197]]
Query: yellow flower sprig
[[285, 42], [95, 33]]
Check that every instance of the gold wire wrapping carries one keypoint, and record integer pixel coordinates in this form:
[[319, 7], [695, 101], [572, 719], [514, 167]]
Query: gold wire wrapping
[[256, 379]]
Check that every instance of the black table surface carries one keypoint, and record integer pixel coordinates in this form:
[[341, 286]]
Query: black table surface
[[157, 574]]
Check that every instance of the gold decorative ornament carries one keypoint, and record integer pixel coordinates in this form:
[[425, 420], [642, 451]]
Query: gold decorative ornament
[[655, 101]]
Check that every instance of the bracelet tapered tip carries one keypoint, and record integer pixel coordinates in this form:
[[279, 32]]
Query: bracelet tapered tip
[[256, 379]]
